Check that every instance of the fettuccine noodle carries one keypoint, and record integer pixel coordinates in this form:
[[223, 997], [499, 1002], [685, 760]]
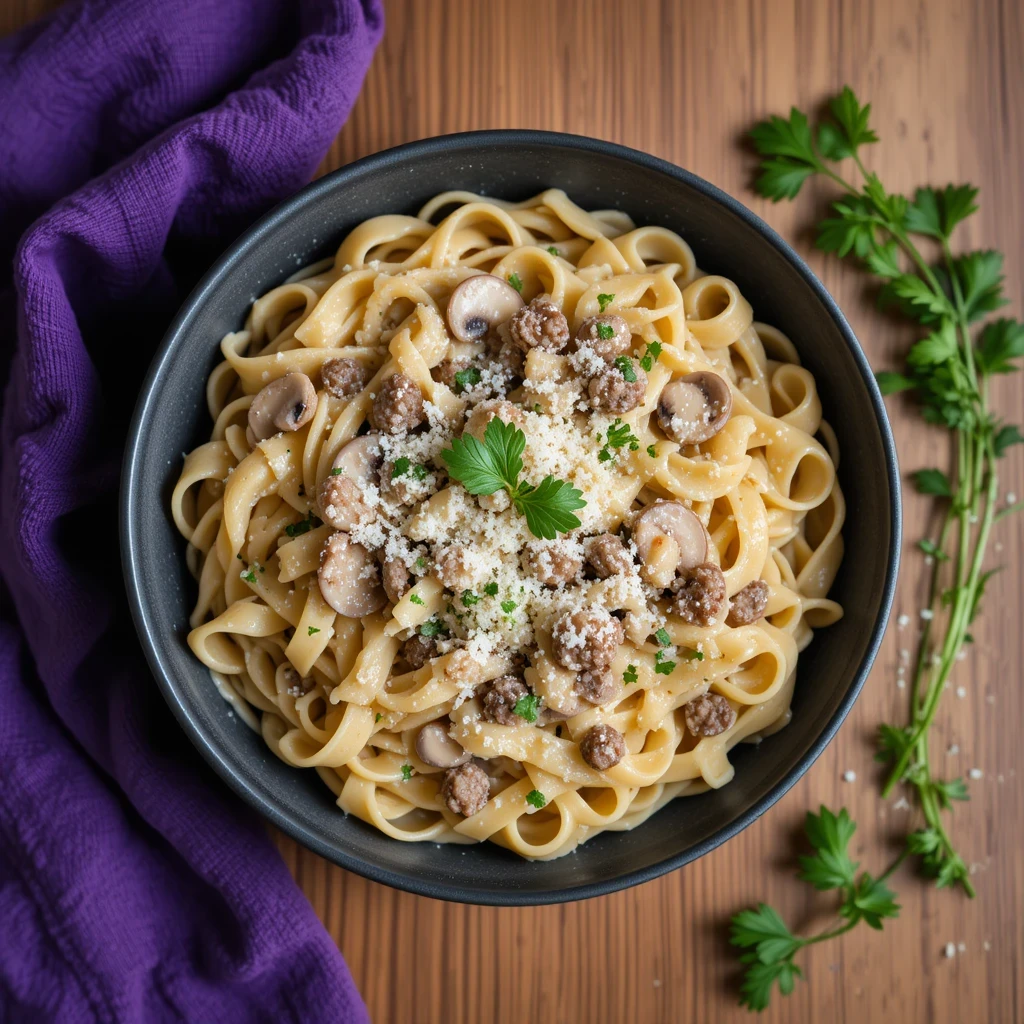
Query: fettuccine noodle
[[532, 692]]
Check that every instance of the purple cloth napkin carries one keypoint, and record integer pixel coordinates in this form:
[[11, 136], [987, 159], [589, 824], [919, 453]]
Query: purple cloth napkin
[[136, 139]]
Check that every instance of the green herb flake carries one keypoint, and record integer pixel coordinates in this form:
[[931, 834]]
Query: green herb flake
[[625, 366], [535, 798], [516, 281], [416, 599], [491, 589], [604, 301], [526, 707], [377, 717], [406, 772], [553, 251], [663, 638], [400, 468], [311, 522], [431, 628], [629, 676], [249, 575], [420, 563], [337, 471], [312, 630], [652, 451], [469, 598], [662, 667], [466, 379], [650, 356], [605, 332], [508, 607]]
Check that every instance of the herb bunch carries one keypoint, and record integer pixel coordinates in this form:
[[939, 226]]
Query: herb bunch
[[769, 943], [496, 464], [948, 371]]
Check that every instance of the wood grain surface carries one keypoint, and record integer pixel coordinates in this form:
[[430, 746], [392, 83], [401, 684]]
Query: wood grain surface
[[683, 81]]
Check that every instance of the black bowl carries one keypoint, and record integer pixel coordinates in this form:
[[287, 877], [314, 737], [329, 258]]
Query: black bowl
[[728, 239]]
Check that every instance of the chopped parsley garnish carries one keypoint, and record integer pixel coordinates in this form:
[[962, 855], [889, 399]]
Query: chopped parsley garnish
[[249, 575], [536, 798], [483, 468], [406, 772], [625, 366], [604, 301], [491, 589], [651, 355], [661, 667], [467, 378], [620, 435], [553, 251], [693, 655], [304, 525], [526, 707], [431, 628], [605, 332], [404, 465], [508, 607], [416, 599], [469, 598], [663, 638], [629, 676], [652, 451], [421, 563], [516, 281], [311, 630], [378, 717], [337, 471]]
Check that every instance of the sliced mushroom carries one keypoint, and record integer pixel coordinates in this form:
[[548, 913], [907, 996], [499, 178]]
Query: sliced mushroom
[[349, 578], [287, 403], [479, 304], [694, 408], [670, 520], [359, 460], [435, 747]]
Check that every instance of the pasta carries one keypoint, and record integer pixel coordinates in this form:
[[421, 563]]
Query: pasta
[[454, 669]]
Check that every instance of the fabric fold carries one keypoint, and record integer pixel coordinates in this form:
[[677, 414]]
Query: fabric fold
[[136, 140]]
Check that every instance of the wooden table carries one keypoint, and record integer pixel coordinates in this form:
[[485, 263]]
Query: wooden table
[[683, 81]]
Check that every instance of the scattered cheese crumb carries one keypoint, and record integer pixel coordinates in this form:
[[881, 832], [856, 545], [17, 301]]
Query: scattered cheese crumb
[[976, 773], [903, 621], [950, 951], [961, 947], [1011, 498], [927, 614], [849, 776], [953, 750], [961, 692], [903, 804]]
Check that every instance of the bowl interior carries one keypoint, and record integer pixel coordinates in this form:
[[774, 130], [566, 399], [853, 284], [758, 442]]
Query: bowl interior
[[171, 418]]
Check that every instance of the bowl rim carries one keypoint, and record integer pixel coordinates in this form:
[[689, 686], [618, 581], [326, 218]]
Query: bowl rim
[[440, 888]]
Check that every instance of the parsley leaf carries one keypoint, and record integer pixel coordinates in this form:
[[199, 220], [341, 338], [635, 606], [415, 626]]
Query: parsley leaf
[[432, 627], [508, 607], [830, 867], [937, 212], [662, 667], [604, 301], [870, 901], [980, 275], [549, 507], [652, 451], [377, 717], [620, 435], [469, 598], [536, 798], [553, 251], [526, 707], [853, 119], [1000, 342], [930, 548], [337, 471], [934, 482], [605, 332], [629, 676], [249, 575], [401, 467], [467, 378], [1005, 438], [890, 383], [663, 638], [693, 655], [516, 281], [406, 772], [491, 589], [312, 630], [416, 599]]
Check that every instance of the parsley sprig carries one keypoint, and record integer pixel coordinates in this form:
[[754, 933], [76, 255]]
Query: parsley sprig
[[907, 244], [497, 462], [619, 435], [771, 946]]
